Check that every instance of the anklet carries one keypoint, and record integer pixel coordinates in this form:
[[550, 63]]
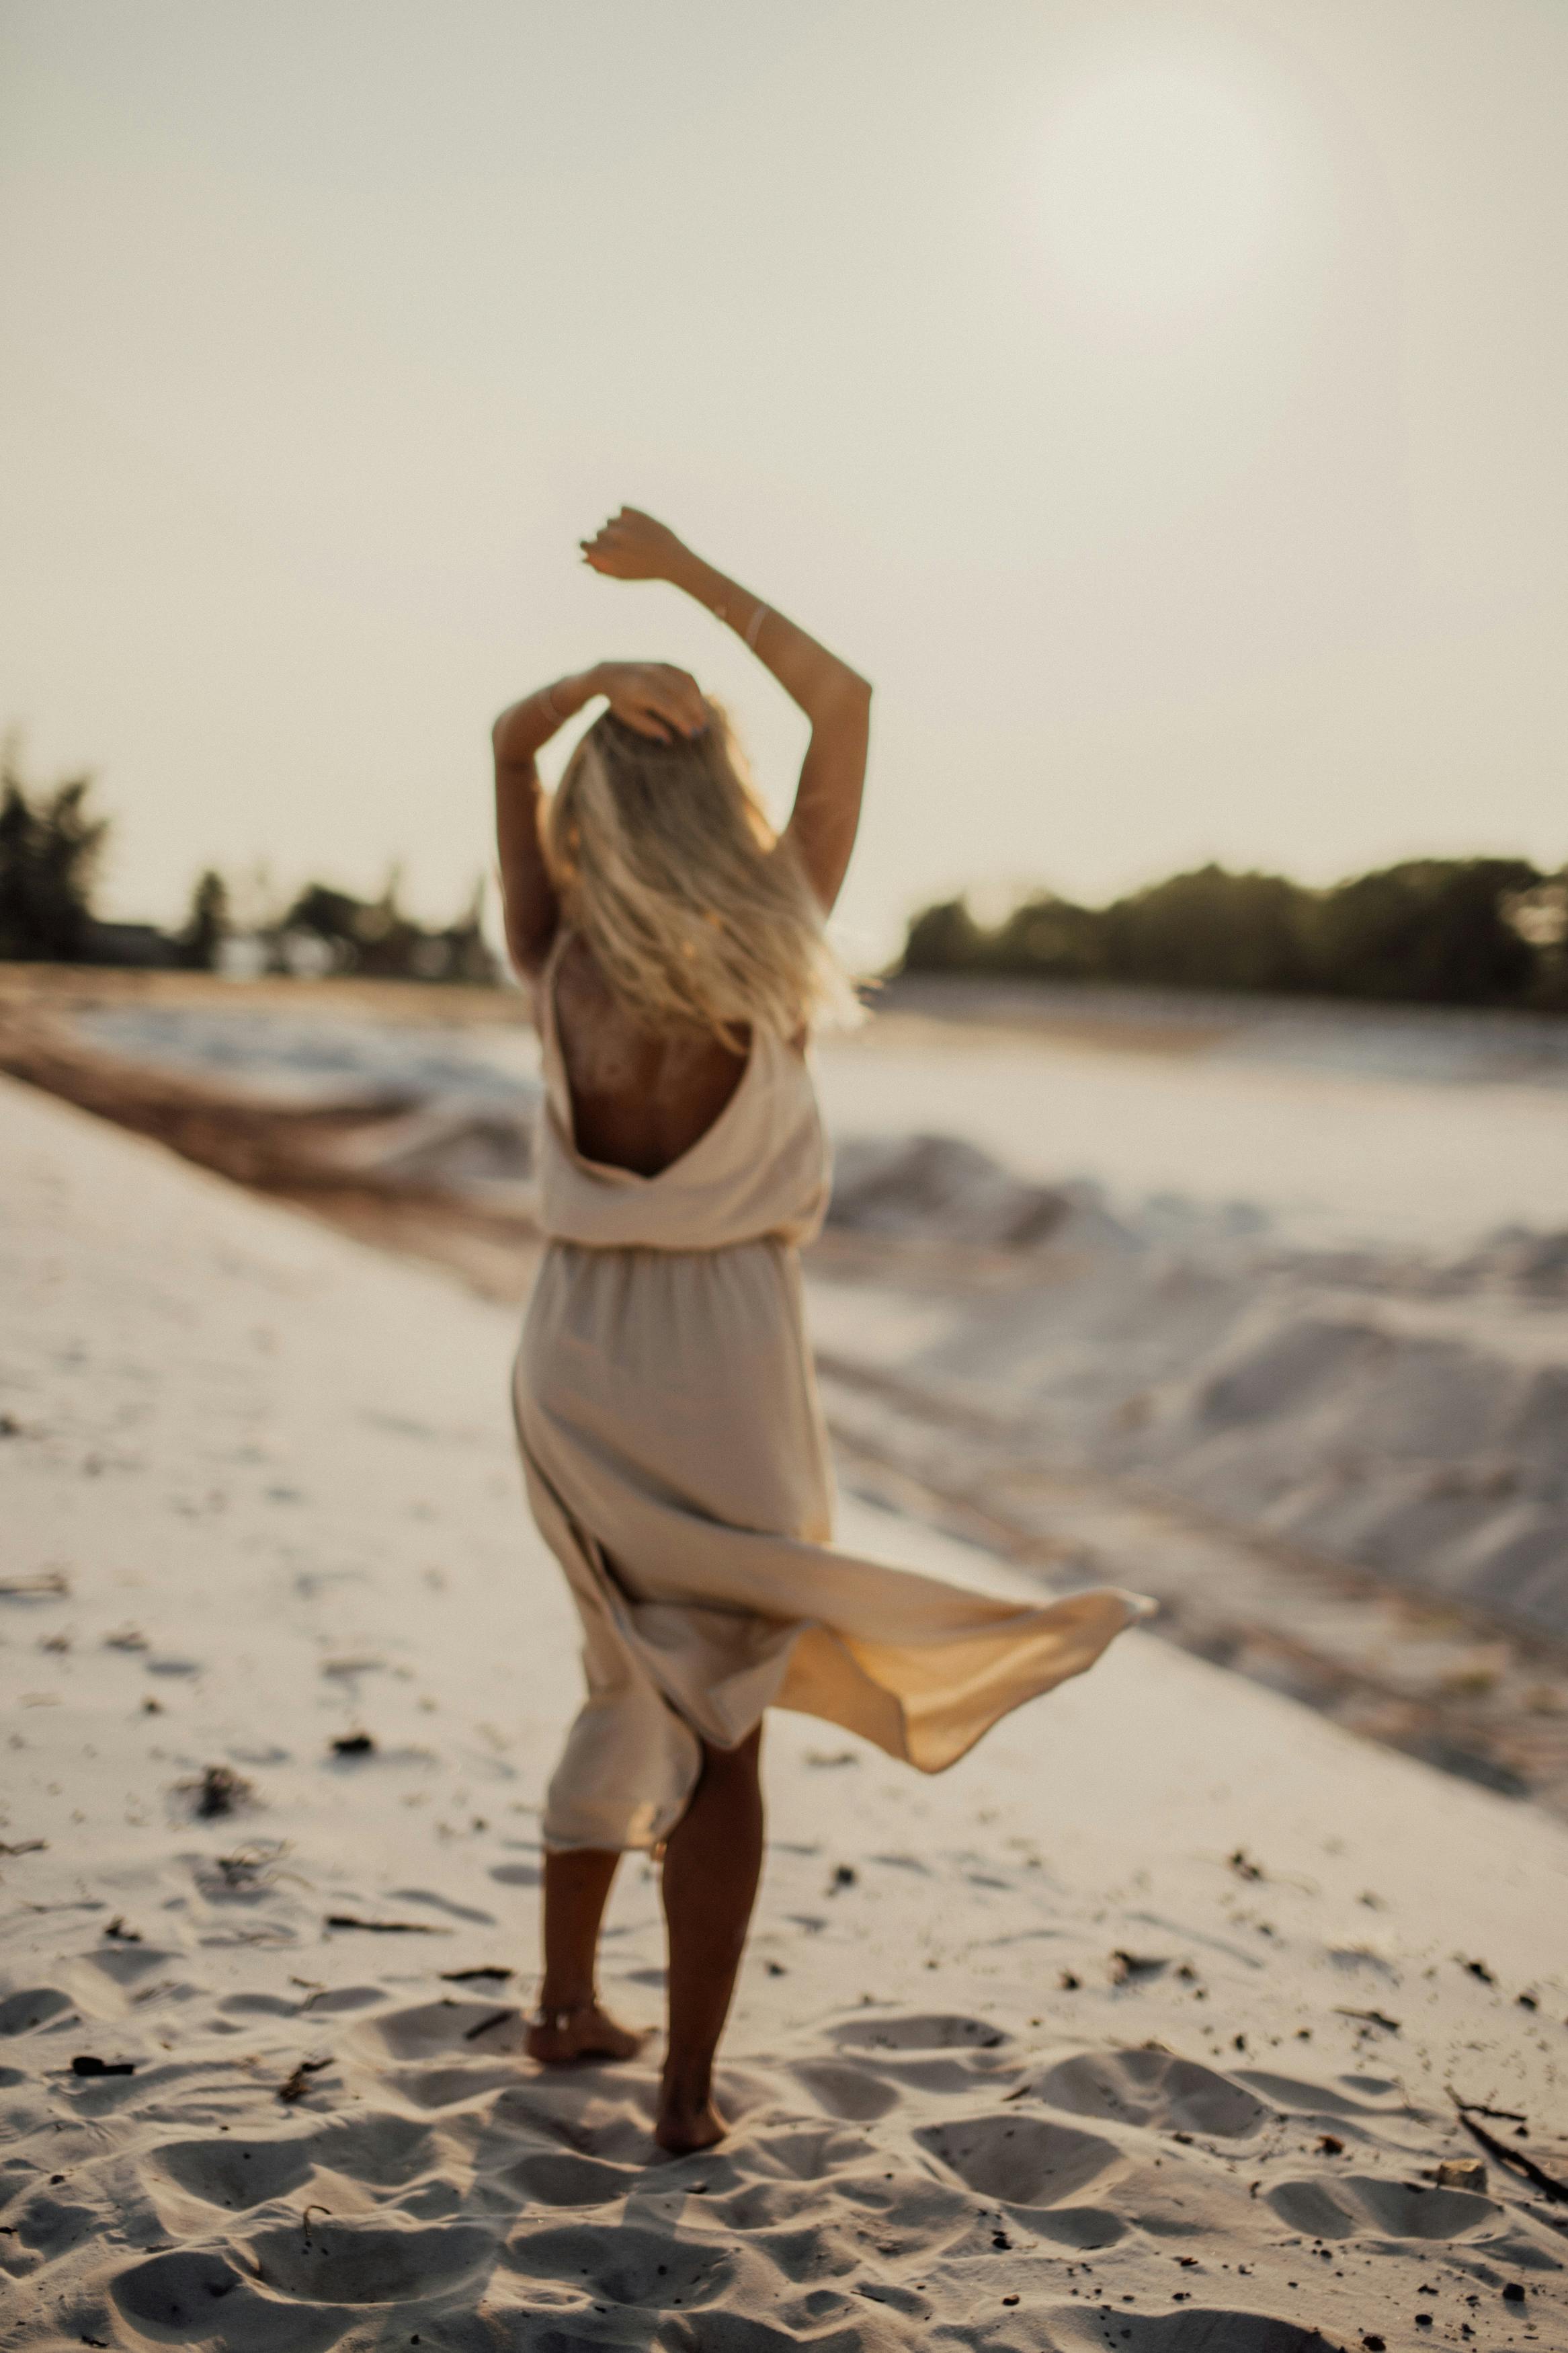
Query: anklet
[[559, 2020]]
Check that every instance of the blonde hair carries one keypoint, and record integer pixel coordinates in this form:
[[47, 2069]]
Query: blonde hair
[[695, 912]]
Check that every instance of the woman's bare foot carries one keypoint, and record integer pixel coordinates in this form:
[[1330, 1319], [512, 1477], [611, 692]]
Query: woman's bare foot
[[556, 2037], [685, 2127]]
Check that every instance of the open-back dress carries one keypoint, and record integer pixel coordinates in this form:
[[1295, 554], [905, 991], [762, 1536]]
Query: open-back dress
[[676, 1464]]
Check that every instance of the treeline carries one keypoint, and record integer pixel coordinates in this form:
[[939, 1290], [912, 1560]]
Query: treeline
[[51, 850], [1432, 931]]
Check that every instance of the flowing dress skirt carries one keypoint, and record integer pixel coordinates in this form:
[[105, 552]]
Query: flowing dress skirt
[[677, 1466]]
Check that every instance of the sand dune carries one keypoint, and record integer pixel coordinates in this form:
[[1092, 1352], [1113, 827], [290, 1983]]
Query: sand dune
[[1137, 2030], [1408, 1413]]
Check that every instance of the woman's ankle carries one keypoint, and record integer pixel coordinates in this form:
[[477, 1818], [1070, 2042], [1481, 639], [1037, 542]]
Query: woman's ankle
[[564, 1999], [688, 2093]]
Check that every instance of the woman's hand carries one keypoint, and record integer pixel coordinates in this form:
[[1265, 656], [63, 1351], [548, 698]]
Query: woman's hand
[[654, 698], [633, 546]]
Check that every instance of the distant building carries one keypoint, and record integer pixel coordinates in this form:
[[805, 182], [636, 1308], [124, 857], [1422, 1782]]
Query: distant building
[[139, 944]]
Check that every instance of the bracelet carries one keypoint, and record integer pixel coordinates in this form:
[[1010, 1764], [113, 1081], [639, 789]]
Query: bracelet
[[755, 628]]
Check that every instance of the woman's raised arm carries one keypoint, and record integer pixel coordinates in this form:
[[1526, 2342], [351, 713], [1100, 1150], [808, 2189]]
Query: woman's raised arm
[[530, 909], [835, 699]]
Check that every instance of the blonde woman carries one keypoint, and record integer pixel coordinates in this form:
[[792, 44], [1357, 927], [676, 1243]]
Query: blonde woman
[[671, 1438]]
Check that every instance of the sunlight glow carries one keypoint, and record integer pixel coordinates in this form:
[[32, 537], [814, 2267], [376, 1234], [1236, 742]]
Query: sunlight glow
[[1161, 186]]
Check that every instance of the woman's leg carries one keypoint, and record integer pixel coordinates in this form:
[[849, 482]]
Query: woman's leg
[[572, 2025], [713, 1862]]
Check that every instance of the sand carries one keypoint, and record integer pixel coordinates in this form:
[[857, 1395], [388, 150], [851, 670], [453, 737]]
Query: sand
[[1137, 2029]]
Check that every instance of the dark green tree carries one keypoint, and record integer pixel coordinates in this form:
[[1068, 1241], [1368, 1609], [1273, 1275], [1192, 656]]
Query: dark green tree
[[945, 939], [207, 923], [1051, 937], [50, 849], [1433, 931], [1211, 929], [1476, 930]]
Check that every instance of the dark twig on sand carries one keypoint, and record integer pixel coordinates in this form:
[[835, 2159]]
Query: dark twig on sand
[[386, 1928], [1479, 2108], [24, 1846], [48, 1583], [219, 1790], [88, 2065], [1372, 2018], [299, 2083], [1514, 2159], [497, 2018]]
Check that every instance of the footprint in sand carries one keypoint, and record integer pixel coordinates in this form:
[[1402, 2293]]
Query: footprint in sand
[[237, 2174], [381, 2149], [193, 2296], [550, 2177], [853, 2093], [365, 2262], [1350, 2205], [927, 2030], [1206, 2331], [123, 1965], [809, 2152], [605, 2112], [32, 2005], [442, 2088], [1362, 2094], [1154, 2088], [629, 2267], [1022, 2161], [937, 2051]]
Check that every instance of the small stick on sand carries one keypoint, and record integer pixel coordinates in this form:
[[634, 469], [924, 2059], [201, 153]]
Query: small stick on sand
[[497, 2018], [1515, 2158], [386, 1928], [299, 2083]]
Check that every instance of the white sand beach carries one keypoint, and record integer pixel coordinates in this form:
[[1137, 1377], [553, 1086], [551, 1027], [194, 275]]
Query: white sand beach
[[261, 2078]]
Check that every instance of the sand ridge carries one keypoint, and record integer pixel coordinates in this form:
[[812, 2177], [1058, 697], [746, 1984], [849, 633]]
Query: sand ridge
[[1135, 2030]]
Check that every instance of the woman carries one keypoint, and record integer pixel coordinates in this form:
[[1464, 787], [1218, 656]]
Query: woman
[[671, 1438]]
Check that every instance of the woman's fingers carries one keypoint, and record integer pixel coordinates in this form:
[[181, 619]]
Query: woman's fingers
[[658, 700], [682, 701], [645, 721], [685, 700], [603, 549]]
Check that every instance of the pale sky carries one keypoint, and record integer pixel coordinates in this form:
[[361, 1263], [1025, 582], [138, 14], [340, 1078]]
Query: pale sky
[[1163, 404]]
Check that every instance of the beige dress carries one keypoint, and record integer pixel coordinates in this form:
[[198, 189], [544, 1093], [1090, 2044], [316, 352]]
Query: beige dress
[[677, 1466]]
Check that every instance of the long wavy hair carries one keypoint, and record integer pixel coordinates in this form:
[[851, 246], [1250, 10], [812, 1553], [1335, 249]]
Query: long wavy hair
[[696, 911]]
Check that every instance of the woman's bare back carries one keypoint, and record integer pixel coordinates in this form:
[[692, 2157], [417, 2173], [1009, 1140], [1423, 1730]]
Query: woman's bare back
[[640, 1098]]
